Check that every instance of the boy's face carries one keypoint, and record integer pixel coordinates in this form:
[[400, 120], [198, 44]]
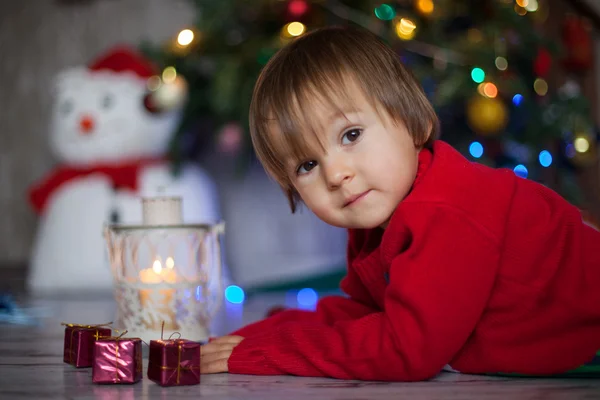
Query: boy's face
[[363, 165]]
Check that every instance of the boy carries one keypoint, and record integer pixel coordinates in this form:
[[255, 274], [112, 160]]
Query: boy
[[451, 265]]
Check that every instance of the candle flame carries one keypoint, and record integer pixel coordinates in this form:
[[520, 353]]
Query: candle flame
[[169, 262], [157, 266]]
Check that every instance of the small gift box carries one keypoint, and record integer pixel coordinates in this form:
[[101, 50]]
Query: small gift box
[[117, 360], [174, 362], [79, 342]]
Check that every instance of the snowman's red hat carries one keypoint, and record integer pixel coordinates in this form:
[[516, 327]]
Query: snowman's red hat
[[123, 58]]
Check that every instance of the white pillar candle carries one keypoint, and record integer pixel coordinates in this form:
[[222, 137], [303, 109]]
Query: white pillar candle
[[162, 211]]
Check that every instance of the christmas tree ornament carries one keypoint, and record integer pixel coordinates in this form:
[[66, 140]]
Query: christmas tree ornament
[[297, 9], [577, 42], [230, 138], [542, 63], [569, 90], [486, 116]]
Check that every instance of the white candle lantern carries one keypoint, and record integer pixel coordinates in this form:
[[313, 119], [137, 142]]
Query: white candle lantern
[[166, 271]]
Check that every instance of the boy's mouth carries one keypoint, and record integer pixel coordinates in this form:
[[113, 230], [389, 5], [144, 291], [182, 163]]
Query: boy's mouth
[[355, 198]]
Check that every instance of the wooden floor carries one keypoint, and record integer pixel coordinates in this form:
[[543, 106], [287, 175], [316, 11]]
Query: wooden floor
[[31, 367]]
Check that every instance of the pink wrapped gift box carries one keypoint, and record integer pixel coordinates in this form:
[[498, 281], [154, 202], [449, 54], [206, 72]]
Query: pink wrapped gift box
[[117, 360], [79, 343], [174, 362]]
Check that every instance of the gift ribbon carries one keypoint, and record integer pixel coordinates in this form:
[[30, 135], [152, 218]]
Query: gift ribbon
[[116, 339], [179, 343], [78, 327]]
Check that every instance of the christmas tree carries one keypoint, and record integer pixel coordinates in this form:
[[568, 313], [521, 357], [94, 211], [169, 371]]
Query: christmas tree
[[489, 68]]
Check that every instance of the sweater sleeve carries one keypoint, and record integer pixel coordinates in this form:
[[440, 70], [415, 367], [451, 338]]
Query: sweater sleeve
[[432, 304]]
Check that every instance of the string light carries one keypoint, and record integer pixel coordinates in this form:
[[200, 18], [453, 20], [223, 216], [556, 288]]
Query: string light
[[477, 75], [476, 149], [235, 294], [185, 37], [385, 12], [307, 298], [169, 75], [294, 29], [532, 6], [501, 63], [480, 89], [521, 171], [517, 99], [490, 90], [581, 145], [520, 10], [405, 29], [540, 86], [522, 3], [545, 158], [425, 7]]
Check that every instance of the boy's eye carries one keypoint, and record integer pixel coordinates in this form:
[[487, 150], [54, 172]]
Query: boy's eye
[[305, 167], [351, 136]]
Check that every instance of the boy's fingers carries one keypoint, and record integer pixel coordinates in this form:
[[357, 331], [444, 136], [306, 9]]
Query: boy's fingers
[[214, 367], [226, 339], [211, 357], [212, 348]]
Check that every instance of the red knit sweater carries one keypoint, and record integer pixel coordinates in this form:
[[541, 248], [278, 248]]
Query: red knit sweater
[[478, 269]]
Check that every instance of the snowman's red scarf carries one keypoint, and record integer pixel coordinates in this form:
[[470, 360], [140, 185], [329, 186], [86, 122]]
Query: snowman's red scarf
[[122, 175]]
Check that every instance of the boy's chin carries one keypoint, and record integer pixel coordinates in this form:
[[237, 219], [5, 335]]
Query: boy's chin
[[367, 224]]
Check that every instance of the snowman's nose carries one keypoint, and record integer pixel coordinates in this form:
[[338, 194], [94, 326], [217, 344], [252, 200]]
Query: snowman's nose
[[86, 124]]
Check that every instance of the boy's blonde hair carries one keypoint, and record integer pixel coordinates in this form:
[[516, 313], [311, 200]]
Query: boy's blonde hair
[[315, 70]]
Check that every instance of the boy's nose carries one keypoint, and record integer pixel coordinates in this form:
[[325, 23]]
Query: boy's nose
[[337, 174]]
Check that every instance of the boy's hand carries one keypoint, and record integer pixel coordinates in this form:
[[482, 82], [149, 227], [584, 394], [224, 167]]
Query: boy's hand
[[215, 354]]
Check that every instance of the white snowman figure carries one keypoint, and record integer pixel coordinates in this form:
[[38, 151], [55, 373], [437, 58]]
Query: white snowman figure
[[111, 143]]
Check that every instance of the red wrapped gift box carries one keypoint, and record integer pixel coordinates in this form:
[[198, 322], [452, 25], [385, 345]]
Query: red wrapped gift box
[[174, 362], [117, 360], [79, 343]]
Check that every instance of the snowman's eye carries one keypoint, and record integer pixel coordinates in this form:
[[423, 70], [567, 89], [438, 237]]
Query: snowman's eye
[[66, 107], [107, 101]]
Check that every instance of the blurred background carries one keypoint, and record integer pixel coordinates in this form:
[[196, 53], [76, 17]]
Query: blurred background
[[110, 88]]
